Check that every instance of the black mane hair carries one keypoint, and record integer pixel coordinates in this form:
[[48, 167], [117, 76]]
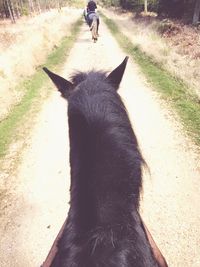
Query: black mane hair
[[104, 228]]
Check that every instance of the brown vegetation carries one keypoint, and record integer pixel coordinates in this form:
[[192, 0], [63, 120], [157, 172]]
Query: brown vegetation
[[25, 45], [185, 38], [174, 45]]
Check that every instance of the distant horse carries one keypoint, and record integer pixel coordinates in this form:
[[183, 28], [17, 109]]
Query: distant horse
[[103, 228], [92, 19]]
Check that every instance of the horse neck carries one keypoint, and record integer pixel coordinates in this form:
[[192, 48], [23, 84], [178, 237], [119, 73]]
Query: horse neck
[[104, 187]]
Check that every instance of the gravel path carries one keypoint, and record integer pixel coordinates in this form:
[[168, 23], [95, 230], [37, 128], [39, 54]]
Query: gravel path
[[171, 194]]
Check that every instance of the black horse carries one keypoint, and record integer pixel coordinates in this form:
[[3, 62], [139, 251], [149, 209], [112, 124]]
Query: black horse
[[103, 228]]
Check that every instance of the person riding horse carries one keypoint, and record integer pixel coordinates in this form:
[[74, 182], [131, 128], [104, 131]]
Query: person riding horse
[[91, 7]]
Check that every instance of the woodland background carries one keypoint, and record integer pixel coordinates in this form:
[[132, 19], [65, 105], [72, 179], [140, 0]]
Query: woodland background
[[187, 10]]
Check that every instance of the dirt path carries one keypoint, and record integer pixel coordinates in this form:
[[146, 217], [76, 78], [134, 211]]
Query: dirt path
[[171, 196]]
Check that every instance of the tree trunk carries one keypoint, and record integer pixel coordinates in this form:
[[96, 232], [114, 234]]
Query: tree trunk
[[5, 8], [11, 11], [21, 7], [196, 12], [18, 14], [145, 6], [38, 6], [59, 5], [31, 7], [47, 3]]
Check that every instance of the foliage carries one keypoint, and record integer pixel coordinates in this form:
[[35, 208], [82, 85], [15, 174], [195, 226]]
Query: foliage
[[110, 2], [176, 9], [165, 26], [75, 3], [16, 8], [172, 89], [182, 9], [168, 8], [135, 5]]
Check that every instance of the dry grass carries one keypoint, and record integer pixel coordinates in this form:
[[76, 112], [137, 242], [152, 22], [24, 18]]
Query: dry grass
[[25, 45], [174, 91], [177, 50]]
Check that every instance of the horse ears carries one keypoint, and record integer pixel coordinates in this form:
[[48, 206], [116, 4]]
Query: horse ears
[[64, 86], [116, 75]]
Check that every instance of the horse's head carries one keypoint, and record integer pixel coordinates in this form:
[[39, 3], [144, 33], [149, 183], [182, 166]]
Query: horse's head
[[106, 176], [67, 88]]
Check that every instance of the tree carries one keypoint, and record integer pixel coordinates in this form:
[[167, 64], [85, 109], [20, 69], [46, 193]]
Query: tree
[[38, 6], [196, 12], [145, 6], [31, 6], [9, 5]]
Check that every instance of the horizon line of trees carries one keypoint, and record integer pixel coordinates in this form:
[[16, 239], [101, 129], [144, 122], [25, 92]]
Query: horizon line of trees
[[14, 9], [189, 10]]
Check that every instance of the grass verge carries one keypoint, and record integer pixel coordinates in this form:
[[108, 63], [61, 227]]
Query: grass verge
[[32, 88], [76, 3], [172, 89]]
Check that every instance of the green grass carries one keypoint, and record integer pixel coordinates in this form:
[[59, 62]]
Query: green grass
[[76, 3], [32, 88], [171, 88]]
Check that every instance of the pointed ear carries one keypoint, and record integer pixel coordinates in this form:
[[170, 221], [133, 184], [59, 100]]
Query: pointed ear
[[64, 86], [115, 77]]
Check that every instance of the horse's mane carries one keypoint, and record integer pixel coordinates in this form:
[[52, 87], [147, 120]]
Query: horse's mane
[[98, 122], [103, 227], [78, 76]]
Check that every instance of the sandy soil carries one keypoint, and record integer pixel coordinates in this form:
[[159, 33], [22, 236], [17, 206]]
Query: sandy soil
[[171, 194]]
